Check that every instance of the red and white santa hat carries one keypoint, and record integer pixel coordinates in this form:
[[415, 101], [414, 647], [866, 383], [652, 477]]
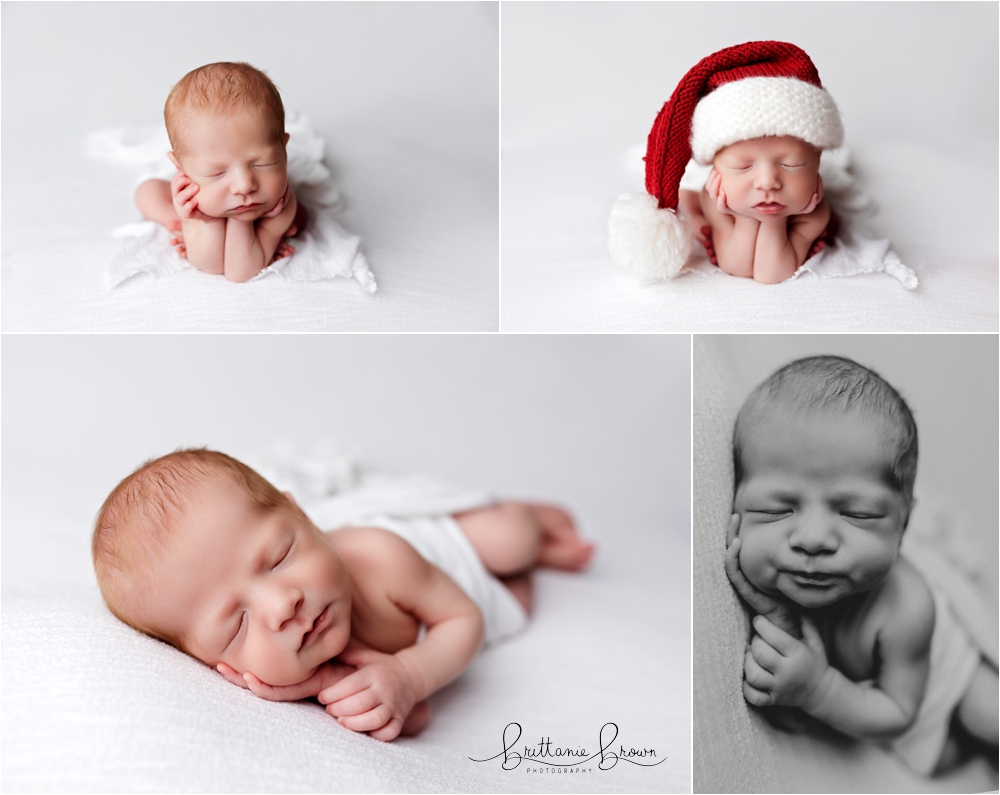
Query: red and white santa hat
[[748, 91]]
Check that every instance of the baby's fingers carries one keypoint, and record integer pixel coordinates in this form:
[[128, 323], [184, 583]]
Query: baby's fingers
[[758, 677], [231, 675], [368, 721], [721, 203], [348, 686], [388, 732], [766, 657], [279, 693], [735, 573], [759, 698], [777, 638], [357, 704]]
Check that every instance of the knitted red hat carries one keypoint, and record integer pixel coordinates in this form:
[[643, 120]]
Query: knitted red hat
[[748, 91]]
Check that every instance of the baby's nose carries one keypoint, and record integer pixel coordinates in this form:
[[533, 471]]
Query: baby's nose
[[243, 183], [814, 535], [282, 608], [767, 179]]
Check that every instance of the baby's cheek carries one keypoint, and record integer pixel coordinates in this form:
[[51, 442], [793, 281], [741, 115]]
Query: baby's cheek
[[756, 561]]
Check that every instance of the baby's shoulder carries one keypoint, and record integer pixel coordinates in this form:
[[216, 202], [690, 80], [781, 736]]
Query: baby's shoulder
[[371, 549], [905, 610]]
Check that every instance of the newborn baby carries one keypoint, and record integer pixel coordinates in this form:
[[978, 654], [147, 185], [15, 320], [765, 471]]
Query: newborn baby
[[848, 630], [758, 114], [761, 213], [230, 201], [199, 550]]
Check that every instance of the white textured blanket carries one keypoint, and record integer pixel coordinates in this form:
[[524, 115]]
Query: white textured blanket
[[323, 250]]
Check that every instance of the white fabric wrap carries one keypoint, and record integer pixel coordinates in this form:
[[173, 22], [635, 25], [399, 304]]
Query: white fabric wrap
[[760, 106]]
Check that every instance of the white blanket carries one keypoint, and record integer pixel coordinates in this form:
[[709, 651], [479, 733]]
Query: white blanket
[[323, 250]]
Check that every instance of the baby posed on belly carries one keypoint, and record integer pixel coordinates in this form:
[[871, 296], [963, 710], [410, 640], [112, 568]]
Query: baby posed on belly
[[230, 203], [198, 550], [758, 114], [847, 628]]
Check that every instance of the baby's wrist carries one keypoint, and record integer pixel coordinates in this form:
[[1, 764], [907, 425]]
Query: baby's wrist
[[816, 701]]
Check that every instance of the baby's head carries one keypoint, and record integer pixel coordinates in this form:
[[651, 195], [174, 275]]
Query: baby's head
[[825, 455], [772, 176], [199, 550], [226, 125]]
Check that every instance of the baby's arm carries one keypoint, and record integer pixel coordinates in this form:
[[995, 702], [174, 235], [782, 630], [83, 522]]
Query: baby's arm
[[784, 244], [250, 245], [204, 235], [782, 670], [733, 236], [379, 697]]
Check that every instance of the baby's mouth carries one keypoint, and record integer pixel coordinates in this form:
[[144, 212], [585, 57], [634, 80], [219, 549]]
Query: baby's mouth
[[813, 580], [769, 208], [245, 208], [318, 625]]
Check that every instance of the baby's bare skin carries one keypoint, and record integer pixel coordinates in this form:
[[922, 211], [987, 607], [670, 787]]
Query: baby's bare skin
[[379, 682], [761, 213], [230, 201]]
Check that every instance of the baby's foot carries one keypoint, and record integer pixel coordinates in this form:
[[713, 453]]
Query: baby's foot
[[562, 547], [284, 250]]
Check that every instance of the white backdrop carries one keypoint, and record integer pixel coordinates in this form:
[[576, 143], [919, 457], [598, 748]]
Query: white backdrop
[[916, 84], [404, 94], [599, 424]]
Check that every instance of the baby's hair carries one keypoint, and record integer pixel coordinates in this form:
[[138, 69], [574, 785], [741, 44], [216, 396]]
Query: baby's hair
[[135, 523], [833, 382], [223, 88]]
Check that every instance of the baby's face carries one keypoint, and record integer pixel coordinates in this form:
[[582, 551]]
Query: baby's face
[[818, 522], [240, 170], [771, 177], [261, 593]]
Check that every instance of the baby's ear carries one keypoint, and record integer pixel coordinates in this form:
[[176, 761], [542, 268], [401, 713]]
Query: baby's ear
[[286, 138], [174, 160], [291, 499]]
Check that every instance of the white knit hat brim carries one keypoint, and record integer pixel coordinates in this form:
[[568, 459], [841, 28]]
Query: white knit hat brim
[[759, 106]]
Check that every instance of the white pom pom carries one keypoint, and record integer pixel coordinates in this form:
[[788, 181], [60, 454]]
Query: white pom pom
[[652, 243]]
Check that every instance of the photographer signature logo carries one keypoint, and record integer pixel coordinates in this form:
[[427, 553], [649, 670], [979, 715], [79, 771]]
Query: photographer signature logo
[[568, 759]]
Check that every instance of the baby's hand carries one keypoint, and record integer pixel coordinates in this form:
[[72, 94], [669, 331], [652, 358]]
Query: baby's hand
[[326, 675], [716, 193], [777, 611], [184, 192], [377, 698], [282, 202], [816, 198], [780, 670]]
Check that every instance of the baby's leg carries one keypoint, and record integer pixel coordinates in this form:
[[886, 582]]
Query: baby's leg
[[512, 538], [978, 710], [155, 203]]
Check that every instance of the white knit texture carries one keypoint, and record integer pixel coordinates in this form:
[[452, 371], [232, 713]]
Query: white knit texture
[[759, 106], [652, 243]]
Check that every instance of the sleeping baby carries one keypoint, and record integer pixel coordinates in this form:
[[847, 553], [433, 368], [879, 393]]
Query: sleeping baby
[[847, 630], [758, 114], [199, 550], [230, 203]]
